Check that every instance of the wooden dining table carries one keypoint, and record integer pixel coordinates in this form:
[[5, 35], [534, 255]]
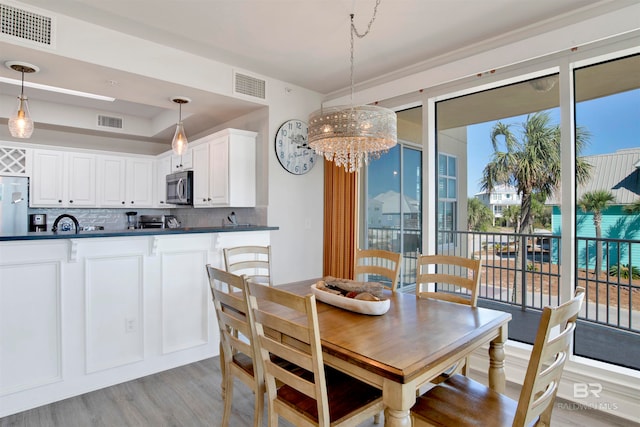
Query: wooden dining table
[[409, 345]]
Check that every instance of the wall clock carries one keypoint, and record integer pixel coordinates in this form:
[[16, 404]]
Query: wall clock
[[292, 149]]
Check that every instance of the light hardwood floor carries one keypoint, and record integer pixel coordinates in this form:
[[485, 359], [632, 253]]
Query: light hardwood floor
[[189, 396]]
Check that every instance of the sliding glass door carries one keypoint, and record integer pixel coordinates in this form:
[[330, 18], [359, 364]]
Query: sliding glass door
[[393, 206]]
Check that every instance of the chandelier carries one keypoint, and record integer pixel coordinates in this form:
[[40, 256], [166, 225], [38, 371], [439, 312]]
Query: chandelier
[[350, 135]]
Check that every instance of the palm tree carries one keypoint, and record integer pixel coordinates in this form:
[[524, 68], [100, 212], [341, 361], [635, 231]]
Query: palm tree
[[530, 161], [531, 164], [479, 216], [596, 202], [512, 214], [633, 208]]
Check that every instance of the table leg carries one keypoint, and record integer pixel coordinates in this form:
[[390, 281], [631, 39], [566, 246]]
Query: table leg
[[394, 418], [398, 399], [497, 379]]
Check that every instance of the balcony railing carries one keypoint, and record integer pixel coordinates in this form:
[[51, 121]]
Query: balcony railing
[[530, 279]]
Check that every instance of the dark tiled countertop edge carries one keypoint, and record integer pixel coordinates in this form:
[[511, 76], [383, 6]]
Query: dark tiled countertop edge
[[133, 233]]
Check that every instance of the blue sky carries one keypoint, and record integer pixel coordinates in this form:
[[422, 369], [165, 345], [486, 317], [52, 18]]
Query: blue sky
[[613, 121]]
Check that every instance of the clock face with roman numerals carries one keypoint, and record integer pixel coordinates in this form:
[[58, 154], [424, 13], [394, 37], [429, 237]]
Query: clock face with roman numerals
[[292, 147]]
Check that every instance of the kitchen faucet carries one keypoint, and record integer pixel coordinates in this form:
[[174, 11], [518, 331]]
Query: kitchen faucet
[[71, 217]]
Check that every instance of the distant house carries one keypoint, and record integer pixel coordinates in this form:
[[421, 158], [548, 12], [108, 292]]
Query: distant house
[[618, 173], [499, 198], [384, 210], [387, 211]]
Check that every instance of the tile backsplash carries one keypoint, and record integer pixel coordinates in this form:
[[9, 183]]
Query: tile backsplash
[[116, 219]]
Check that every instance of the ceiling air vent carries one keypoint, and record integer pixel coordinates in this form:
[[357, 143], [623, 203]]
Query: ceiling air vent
[[248, 85], [109, 122], [25, 25]]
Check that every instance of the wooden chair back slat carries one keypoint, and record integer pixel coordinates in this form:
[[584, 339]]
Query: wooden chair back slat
[[460, 272], [378, 262], [252, 261]]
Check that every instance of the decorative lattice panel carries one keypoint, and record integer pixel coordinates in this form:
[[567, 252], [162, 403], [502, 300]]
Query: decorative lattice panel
[[13, 161]]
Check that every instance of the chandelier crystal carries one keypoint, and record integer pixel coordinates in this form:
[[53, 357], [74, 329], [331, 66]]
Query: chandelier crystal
[[350, 135]]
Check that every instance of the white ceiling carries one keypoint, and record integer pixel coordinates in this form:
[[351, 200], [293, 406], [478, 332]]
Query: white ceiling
[[304, 42]]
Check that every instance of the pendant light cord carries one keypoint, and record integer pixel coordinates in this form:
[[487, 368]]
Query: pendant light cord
[[22, 87], [354, 31]]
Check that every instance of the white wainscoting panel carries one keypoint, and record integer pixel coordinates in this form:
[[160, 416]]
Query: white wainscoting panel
[[114, 311], [185, 298], [30, 325]]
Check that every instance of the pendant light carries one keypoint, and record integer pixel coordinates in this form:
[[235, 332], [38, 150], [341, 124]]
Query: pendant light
[[350, 135], [21, 124], [179, 143]]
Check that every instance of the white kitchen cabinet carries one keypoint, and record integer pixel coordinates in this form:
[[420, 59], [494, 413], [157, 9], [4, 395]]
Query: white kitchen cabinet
[[224, 170], [163, 168], [139, 182], [63, 179], [112, 181], [201, 197], [125, 182], [183, 162]]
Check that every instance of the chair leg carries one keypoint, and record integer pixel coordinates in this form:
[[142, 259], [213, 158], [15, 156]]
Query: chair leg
[[273, 417], [228, 381], [258, 408], [222, 372], [465, 368]]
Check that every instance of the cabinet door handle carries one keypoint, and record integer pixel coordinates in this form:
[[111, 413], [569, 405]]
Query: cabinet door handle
[[123, 202], [132, 202], [59, 201], [70, 201]]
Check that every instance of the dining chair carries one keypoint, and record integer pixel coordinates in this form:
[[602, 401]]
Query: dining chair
[[237, 353], [460, 401], [378, 262], [458, 274], [311, 394], [252, 261]]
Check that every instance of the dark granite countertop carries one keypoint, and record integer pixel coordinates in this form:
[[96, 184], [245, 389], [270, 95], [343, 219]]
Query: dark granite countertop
[[133, 233]]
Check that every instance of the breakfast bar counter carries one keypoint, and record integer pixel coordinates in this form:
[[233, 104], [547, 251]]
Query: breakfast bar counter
[[85, 311], [132, 233]]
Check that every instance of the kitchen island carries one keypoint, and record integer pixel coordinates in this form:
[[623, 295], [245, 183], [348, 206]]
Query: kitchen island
[[79, 312]]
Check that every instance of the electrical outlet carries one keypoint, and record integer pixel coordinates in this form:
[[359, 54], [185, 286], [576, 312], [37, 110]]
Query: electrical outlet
[[129, 324]]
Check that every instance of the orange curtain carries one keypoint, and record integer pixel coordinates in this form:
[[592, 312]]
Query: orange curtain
[[340, 198]]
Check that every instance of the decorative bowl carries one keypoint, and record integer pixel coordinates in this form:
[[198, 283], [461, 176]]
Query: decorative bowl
[[374, 308]]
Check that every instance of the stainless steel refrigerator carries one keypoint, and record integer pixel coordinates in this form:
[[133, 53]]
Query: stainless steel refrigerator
[[14, 193]]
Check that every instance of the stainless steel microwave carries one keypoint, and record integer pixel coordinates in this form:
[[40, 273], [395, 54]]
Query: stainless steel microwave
[[180, 188]]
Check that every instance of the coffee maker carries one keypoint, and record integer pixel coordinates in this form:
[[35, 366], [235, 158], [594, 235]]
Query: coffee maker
[[37, 222]]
